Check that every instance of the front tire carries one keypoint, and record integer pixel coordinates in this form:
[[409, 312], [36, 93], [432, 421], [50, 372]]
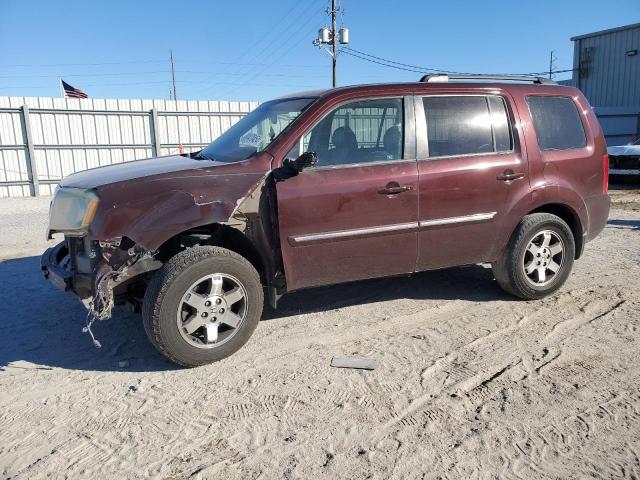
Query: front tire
[[538, 258], [202, 305]]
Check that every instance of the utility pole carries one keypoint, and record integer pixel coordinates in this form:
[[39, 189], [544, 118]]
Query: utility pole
[[175, 97], [334, 41], [552, 60], [173, 75], [332, 36]]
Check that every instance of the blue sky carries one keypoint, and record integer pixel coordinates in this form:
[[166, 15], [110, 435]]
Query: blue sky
[[255, 50]]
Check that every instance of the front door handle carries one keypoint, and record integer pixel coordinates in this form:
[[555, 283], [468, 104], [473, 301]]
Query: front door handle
[[394, 188], [509, 175]]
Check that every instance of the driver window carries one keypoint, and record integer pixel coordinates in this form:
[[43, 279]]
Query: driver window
[[358, 132]]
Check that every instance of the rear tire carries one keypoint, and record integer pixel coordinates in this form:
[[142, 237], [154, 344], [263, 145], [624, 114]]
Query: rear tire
[[538, 258], [202, 305]]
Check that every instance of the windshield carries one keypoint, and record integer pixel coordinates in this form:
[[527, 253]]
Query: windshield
[[256, 131]]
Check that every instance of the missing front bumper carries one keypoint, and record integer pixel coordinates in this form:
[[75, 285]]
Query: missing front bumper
[[56, 267], [62, 265]]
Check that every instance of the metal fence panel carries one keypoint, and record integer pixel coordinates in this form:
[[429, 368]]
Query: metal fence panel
[[69, 135]]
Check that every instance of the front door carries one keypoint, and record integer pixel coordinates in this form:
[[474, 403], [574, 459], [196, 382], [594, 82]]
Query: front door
[[354, 215], [471, 169]]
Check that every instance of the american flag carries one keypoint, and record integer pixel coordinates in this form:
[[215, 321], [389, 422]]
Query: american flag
[[72, 92]]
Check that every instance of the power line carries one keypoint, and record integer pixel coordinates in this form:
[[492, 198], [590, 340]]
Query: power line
[[255, 74], [408, 67], [347, 52], [420, 69], [6, 87], [240, 64], [131, 62], [109, 74], [163, 72], [268, 34]]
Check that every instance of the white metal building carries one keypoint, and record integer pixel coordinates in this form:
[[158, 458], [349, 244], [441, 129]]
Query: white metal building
[[607, 69]]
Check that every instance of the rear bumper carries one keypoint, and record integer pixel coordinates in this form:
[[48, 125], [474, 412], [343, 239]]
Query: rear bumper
[[598, 210]]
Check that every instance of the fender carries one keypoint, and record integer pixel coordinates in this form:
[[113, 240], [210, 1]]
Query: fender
[[543, 194], [166, 207], [158, 216], [150, 211]]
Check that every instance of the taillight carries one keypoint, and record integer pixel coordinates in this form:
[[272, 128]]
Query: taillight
[[605, 173]]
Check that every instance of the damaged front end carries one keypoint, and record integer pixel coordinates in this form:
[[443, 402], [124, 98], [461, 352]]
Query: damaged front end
[[97, 271], [122, 223]]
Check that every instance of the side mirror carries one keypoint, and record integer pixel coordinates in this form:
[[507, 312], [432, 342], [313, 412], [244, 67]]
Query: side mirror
[[307, 159], [291, 168]]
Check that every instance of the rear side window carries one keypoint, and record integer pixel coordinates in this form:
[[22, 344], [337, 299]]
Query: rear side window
[[459, 125], [557, 123]]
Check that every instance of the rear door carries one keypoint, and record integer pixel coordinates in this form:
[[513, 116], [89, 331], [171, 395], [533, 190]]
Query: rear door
[[471, 168], [355, 214]]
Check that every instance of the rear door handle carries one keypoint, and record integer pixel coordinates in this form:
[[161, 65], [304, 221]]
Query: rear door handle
[[509, 175], [394, 188]]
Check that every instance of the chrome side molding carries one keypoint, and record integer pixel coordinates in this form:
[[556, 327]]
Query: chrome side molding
[[397, 227], [356, 232], [476, 217]]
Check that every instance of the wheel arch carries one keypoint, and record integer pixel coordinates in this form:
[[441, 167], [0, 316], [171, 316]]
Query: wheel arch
[[570, 217], [215, 234]]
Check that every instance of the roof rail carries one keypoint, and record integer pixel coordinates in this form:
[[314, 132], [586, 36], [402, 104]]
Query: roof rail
[[445, 77]]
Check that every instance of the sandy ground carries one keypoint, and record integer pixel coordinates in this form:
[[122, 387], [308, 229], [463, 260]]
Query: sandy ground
[[471, 383]]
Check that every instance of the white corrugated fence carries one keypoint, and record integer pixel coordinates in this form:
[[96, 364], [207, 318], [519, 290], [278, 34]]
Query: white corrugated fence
[[43, 139]]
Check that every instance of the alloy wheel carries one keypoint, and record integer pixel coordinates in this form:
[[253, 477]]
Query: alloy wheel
[[543, 258], [212, 310]]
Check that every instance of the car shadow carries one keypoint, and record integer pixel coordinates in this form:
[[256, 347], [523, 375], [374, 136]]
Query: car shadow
[[626, 224], [472, 282], [41, 327]]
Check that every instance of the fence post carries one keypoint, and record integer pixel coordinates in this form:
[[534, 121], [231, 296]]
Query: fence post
[[155, 134], [29, 153]]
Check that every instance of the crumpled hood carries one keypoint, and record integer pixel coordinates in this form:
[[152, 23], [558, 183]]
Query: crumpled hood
[[151, 200], [624, 150], [136, 169]]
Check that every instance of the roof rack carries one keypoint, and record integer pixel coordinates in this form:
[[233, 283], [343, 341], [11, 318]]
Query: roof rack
[[445, 77]]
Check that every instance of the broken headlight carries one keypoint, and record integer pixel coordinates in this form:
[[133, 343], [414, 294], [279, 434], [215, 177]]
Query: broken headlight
[[72, 210]]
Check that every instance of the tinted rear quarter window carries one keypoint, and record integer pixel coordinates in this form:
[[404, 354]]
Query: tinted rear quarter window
[[556, 122], [500, 122]]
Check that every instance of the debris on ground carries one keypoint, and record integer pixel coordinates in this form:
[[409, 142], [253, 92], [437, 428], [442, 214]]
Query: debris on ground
[[362, 363]]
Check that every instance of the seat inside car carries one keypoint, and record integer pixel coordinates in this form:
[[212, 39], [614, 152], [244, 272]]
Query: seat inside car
[[392, 142], [345, 147]]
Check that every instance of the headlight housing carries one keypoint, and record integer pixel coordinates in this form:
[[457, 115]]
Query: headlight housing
[[72, 210]]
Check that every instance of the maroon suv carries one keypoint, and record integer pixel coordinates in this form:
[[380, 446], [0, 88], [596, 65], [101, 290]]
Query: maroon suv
[[332, 186]]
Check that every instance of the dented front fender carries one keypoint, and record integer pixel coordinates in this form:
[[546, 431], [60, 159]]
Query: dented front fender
[[150, 211]]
